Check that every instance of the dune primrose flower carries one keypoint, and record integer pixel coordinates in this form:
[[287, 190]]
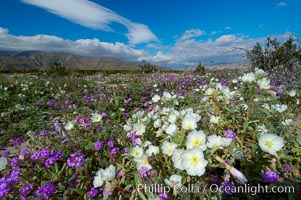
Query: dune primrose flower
[[96, 117], [270, 143], [193, 162], [196, 139]]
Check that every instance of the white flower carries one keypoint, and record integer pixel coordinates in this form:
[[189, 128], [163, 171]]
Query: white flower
[[156, 98], [193, 162], [218, 142], [264, 83], [196, 139], [279, 108], [139, 128], [152, 150], [143, 162], [138, 115], [287, 122], [104, 175], [171, 129], [259, 71], [209, 91], [292, 93], [127, 127], [69, 126], [166, 96], [98, 180], [248, 77], [3, 163], [157, 123], [174, 181], [172, 118], [262, 129], [136, 152], [168, 148], [177, 158], [189, 123], [109, 173], [96, 117], [214, 119], [270, 143]]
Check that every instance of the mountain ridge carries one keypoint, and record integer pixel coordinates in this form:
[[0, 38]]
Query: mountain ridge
[[15, 60]]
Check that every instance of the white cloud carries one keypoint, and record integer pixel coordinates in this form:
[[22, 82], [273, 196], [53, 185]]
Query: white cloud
[[282, 4], [85, 47], [190, 52], [181, 53], [192, 33], [95, 16], [228, 28]]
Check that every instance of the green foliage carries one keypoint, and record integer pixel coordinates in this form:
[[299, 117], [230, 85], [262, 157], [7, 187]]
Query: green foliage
[[200, 68], [274, 54], [57, 69], [148, 68]]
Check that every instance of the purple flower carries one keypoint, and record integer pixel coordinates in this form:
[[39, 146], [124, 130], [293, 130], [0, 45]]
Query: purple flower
[[49, 103], [88, 118], [214, 178], [39, 102], [14, 161], [86, 125], [4, 187], [53, 158], [163, 196], [144, 172], [65, 140], [100, 128], [227, 187], [76, 159], [98, 145], [23, 152], [230, 134], [114, 151], [104, 192], [287, 167], [124, 150], [5, 153], [110, 143], [92, 193], [120, 174], [26, 191], [103, 114], [43, 132], [270, 176], [126, 114], [81, 120], [46, 191], [14, 174], [17, 140], [224, 82], [43, 153]]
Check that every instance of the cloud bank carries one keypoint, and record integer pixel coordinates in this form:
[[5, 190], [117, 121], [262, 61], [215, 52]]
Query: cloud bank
[[95, 16], [84, 47], [183, 52]]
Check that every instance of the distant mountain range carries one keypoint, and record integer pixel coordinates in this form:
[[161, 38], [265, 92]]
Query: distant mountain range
[[12, 60]]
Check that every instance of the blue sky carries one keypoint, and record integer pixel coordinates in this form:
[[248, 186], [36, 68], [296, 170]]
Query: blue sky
[[171, 33]]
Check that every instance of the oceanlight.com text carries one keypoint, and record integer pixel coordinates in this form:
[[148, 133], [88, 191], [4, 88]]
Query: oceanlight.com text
[[214, 188]]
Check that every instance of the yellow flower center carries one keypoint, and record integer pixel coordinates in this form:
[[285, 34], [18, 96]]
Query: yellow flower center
[[268, 143], [136, 153], [144, 162], [195, 160], [197, 143]]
